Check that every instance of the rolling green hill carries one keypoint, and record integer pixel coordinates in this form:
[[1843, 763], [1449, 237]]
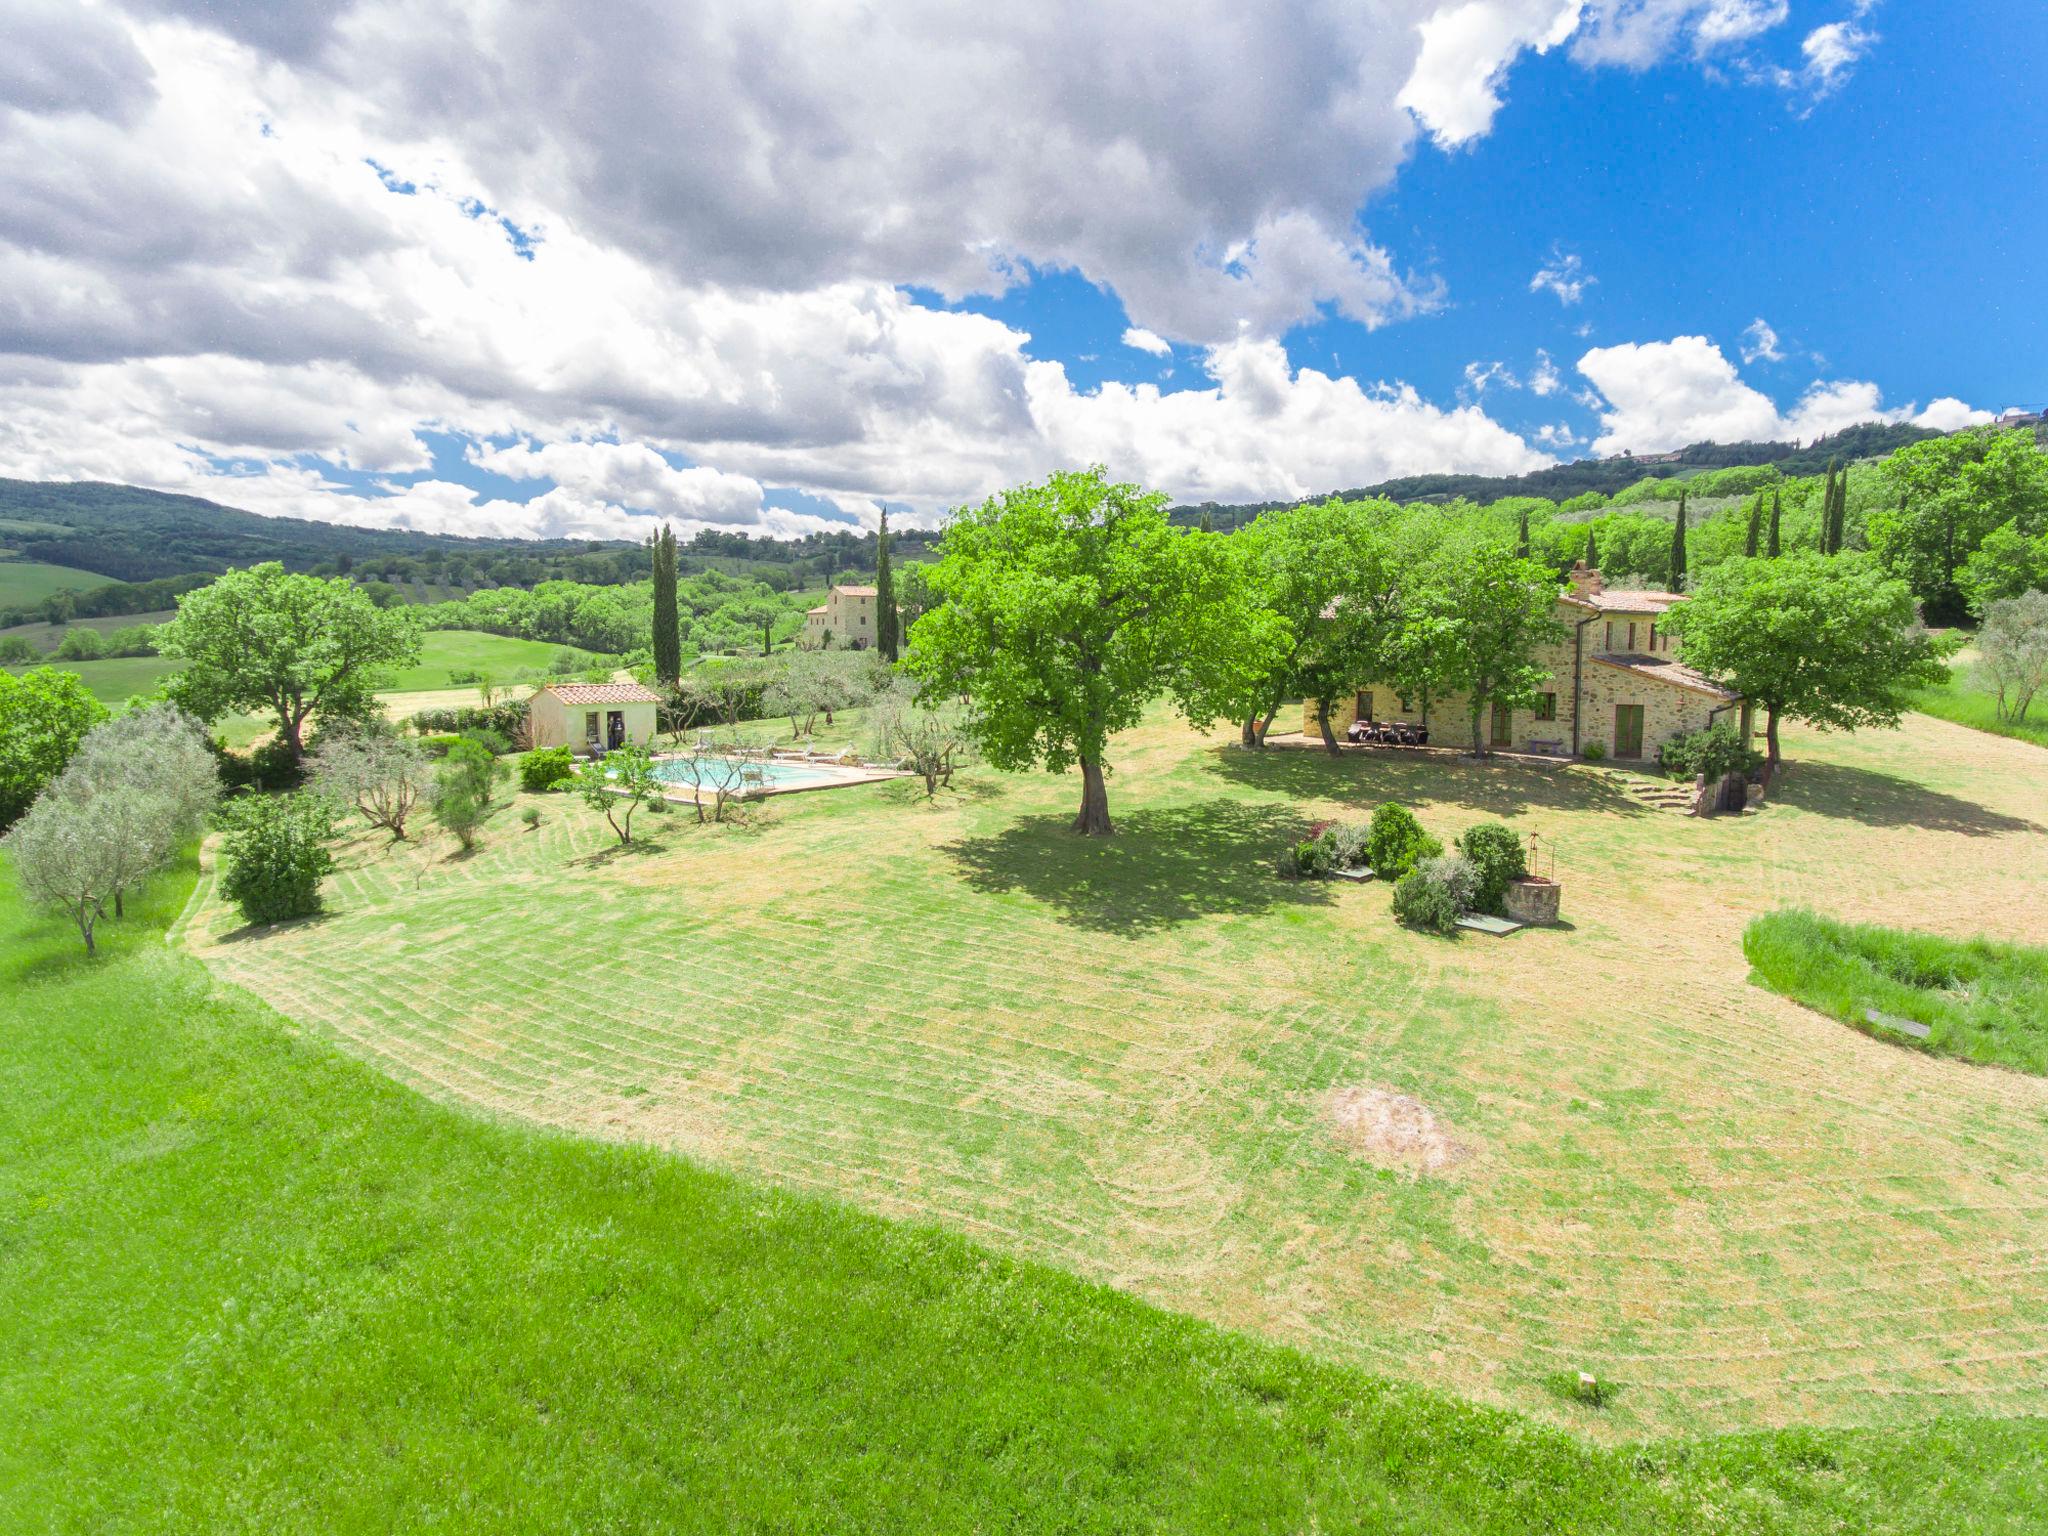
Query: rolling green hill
[[26, 582]]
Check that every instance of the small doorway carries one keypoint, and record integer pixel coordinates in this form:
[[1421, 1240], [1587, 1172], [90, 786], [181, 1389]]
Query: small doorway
[[1503, 726], [1628, 730], [615, 730]]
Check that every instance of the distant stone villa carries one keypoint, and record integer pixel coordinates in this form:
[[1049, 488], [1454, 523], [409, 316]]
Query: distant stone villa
[[584, 716], [1615, 680], [845, 619]]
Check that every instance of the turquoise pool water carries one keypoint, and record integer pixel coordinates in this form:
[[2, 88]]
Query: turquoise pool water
[[773, 772]]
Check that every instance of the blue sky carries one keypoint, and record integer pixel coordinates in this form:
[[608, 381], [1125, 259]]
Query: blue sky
[[774, 267]]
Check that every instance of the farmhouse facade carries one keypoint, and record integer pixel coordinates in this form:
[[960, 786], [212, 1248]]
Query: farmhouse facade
[[587, 716], [1616, 683], [847, 619]]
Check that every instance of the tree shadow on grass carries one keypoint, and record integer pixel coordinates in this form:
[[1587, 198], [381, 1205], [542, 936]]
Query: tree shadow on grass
[[1886, 800], [1498, 787], [244, 933], [1163, 867]]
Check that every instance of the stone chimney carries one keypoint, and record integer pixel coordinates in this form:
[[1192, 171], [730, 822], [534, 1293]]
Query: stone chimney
[[1586, 582]]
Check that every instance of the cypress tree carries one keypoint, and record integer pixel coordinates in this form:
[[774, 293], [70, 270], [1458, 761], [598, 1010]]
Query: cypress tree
[[1678, 547], [1756, 526], [1522, 548], [668, 647], [1592, 550], [1829, 539], [885, 594], [1773, 549]]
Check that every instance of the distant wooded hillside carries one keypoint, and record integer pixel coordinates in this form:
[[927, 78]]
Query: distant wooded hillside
[[1602, 477], [150, 545]]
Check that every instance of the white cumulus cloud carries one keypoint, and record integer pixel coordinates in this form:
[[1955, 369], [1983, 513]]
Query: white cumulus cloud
[[1658, 396], [1760, 343], [1564, 275], [1147, 341]]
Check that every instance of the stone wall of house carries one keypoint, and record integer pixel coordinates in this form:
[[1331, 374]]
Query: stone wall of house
[[1668, 711]]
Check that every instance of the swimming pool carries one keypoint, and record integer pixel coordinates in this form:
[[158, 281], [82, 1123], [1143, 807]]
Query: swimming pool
[[773, 773]]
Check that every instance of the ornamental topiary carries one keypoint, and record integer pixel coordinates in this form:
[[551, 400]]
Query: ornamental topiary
[[1395, 843], [1497, 858]]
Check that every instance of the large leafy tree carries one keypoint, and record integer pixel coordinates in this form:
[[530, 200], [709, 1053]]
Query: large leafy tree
[[1833, 642], [2007, 564], [1481, 610], [1063, 609], [44, 714], [1953, 491], [295, 645], [1323, 574]]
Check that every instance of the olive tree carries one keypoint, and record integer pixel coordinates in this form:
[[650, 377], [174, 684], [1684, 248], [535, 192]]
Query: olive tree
[[137, 789], [373, 768], [2013, 647], [932, 741], [618, 784]]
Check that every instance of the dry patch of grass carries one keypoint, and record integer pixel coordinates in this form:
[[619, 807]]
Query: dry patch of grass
[[1122, 1057]]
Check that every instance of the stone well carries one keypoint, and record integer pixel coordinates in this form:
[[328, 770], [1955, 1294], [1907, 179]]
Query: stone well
[[1533, 900]]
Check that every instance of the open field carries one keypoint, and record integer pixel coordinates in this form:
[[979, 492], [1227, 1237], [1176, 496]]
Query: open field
[[448, 650], [47, 637], [1965, 701], [1120, 1058], [23, 582], [247, 1284], [114, 681]]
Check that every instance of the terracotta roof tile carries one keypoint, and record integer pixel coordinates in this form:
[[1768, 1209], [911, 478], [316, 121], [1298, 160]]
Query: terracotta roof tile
[[1662, 669], [601, 693], [855, 591], [1625, 602]]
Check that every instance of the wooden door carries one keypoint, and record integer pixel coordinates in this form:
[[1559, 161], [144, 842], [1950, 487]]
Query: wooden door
[[1628, 730], [1503, 726]]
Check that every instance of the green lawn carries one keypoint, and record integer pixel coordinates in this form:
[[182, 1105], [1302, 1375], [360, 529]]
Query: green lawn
[[1963, 700], [115, 681], [1130, 1059], [1983, 1001], [466, 650], [248, 1284], [23, 582]]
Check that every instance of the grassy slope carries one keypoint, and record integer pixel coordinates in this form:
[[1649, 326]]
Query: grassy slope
[[1984, 1001], [1961, 700], [112, 682], [447, 650], [47, 637], [248, 1284], [30, 581], [1118, 1058]]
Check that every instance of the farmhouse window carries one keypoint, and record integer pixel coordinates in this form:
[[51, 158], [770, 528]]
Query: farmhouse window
[[590, 727], [1610, 634], [1365, 705], [1546, 706], [1631, 635]]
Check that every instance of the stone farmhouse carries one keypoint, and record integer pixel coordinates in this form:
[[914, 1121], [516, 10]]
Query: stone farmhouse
[[847, 617], [1615, 681]]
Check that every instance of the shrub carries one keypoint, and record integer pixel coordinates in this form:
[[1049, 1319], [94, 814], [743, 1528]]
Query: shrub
[[1496, 857], [1313, 858], [1348, 843], [1717, 750], [437, 746], [1458, 876], [275, 850], [1422, 900], [1395, 842], [546, 768], [491, 741], [531, 816], [462, 676], [269, 767], [1592, 751]]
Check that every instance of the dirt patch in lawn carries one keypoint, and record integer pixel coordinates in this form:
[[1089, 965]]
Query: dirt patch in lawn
[[1394, 1130]]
